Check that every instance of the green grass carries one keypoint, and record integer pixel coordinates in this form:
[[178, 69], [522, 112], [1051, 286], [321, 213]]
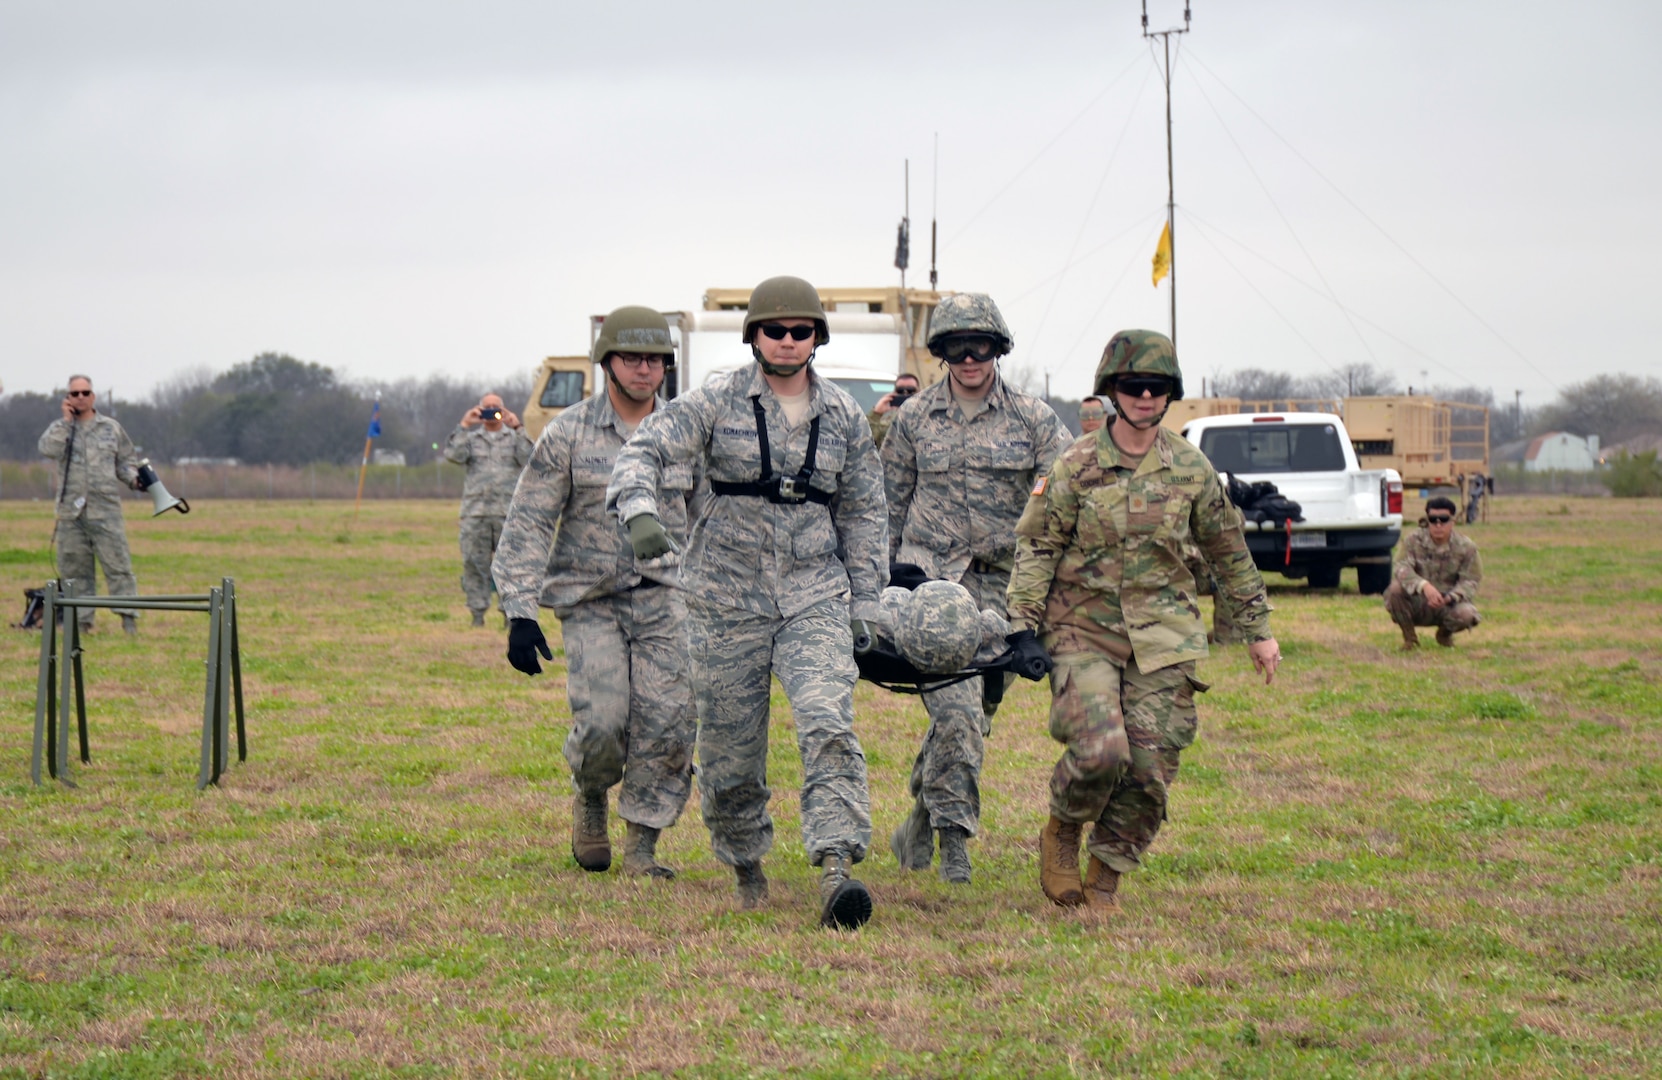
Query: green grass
[[1444, 863]]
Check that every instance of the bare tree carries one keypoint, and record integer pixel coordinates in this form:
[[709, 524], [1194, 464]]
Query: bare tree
[[1613, 407]]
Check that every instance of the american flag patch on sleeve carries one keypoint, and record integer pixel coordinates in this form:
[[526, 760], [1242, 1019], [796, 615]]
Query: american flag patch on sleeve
[[1039, 487]]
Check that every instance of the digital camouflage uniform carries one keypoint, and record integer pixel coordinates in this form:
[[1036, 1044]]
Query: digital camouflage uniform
[[957, 475], [1455, 569], [1100, 574], [771, 588], [493, 460], [102, 463], [623, 624]]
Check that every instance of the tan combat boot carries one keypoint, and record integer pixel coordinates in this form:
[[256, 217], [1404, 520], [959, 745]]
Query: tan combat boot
[[1410, 640], [1102, 885], [640, 847], [590, 845], [844, 903], [753, 885], [1059, 862]]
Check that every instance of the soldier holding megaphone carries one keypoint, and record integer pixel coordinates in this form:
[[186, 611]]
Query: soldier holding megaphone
[[95, 460]]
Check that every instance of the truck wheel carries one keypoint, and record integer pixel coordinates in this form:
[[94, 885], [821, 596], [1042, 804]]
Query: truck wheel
[[1324, 577], [1373, 580]]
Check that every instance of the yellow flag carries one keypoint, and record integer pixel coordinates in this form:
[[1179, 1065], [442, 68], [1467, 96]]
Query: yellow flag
[[1162, 254]]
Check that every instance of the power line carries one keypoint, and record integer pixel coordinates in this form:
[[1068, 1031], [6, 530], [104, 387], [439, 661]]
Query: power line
[[1087, 257], [1034, 160], [1380, 228]]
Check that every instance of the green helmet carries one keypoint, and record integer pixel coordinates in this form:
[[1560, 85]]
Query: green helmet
[[939, 628], [1144, 352], [785, 298], [634, 329], [968, 313]]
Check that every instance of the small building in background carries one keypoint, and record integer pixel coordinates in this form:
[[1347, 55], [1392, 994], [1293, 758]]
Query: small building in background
[[1559, 451], [387, 457]]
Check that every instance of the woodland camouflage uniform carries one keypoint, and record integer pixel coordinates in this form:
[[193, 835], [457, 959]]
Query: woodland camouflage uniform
[[493, 460], [1455, 569], [622, 624], [101, 464], [771, 588], [957, 475], [1101, 575]]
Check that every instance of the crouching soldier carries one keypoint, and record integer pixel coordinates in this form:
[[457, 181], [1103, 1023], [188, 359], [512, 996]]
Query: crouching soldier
[[1436, 579], [622, 620]]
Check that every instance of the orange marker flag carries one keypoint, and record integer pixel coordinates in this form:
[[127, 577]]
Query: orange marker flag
[[1162, 254]]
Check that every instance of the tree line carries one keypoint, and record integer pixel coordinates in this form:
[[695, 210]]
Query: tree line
[[273, 409]]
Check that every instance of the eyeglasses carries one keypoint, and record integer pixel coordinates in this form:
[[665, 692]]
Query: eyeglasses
[[1137, 385], [80, 393], [962, 348], [776, 332], [1439, 519], [635, 360]]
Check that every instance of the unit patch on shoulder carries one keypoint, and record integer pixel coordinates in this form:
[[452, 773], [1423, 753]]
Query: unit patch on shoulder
[[1042, 483]]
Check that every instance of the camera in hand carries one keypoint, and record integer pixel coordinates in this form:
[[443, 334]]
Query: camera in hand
[[490, 414]]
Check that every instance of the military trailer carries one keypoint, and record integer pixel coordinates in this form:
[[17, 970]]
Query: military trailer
[[561, 382]]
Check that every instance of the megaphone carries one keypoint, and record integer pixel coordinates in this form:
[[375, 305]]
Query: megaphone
[[163, 499]]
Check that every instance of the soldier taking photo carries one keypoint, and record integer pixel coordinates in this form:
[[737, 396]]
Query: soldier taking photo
[[492, 446], [958, 462], [783, 572]]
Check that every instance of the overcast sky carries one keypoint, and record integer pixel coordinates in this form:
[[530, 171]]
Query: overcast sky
[[1462, 193]]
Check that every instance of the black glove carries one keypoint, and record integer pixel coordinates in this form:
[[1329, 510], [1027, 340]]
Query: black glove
[[906, 575], [1027, 657], [525, 641], [865, 636]]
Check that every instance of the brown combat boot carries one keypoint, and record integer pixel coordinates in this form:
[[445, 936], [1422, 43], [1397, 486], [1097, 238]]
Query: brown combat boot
[[1102, 885], [753, 885], [1410, 640], [590, 845], [1445, 638], [640, 846], [1059, 862], [844, 903]]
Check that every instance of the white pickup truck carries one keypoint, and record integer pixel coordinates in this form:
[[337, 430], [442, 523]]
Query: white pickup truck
[[1352, 515]]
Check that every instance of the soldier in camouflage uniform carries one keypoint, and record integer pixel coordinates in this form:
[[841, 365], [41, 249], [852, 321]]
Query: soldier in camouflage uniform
[[492, 446], [622, 622], [958, 462], [1436, 579], [905, 386], [95, 461], [782, 573], [1092, 415], [1100, 572]]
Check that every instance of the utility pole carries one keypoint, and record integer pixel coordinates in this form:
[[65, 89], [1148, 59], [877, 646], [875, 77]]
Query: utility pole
[[934, 201], [1171, 187], [903, 239]]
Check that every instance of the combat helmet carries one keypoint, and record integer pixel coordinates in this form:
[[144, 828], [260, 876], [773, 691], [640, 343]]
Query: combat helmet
[[940, 628], [634, 329], [1142, 352], [785, 298], [969, 313]]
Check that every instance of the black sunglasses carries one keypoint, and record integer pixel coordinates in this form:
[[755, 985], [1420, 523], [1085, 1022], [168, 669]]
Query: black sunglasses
[[958, 350], [1439, 519], [775, 332], [1137, 385], [80, 393]]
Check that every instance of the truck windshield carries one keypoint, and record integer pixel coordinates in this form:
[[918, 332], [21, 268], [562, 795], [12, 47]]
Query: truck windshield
[[564, 389], [866, 391], [1273, 448]]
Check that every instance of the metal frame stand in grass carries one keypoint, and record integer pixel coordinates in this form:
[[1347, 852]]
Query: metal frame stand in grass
[[61, 674]]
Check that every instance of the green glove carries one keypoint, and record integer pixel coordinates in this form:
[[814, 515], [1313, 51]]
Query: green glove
[[865, 636], [648, 538]]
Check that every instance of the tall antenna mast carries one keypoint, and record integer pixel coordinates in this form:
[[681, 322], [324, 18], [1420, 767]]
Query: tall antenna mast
[[903, 240], [1171, 187], [934, 201]]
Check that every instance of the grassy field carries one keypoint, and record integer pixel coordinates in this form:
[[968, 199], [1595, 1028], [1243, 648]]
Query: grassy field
[[1436, 864]]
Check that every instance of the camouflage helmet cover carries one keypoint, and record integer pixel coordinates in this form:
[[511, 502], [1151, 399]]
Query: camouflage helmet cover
[[968, 313], [940, 628], [634, 329], [785, 298], [1144, 352]]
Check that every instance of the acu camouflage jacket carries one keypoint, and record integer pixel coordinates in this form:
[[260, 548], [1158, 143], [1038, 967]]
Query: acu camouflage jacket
[[493, 460], [102, 463], [1099, 554], [956, 487], [559, 546], [745, 551], [1456, 569]]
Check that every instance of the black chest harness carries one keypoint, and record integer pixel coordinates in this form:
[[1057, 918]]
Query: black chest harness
[[791, 490]]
